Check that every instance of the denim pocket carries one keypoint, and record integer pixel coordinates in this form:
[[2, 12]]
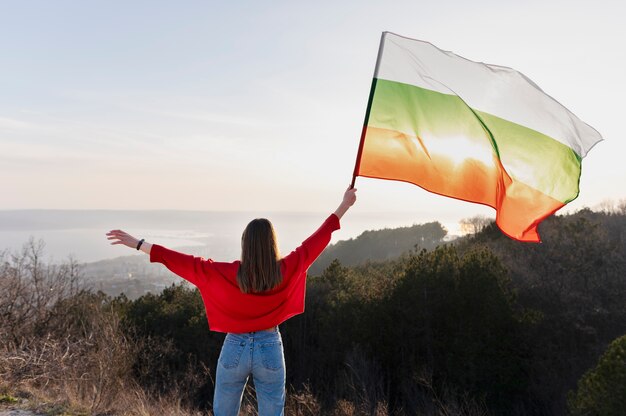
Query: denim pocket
[[231, 353], [272, 355]]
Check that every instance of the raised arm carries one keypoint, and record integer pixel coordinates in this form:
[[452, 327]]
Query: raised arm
[[349, 198], [312, 247], [190, 268]]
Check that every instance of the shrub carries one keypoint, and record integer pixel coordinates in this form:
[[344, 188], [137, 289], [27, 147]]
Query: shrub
[[602, 390]]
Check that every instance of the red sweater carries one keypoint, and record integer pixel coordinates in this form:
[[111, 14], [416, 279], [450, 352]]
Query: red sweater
[[230, 310]]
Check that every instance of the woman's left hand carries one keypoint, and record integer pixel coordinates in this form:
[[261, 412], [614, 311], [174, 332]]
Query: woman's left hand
[[122, 237]]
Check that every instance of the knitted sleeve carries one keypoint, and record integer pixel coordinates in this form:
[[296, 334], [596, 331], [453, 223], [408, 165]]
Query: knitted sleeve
[[194, 269], [310, 249]]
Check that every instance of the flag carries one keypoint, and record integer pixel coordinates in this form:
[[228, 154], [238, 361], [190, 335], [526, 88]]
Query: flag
[[471, 131]]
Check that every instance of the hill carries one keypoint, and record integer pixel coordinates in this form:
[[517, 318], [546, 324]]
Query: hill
[[380, 245]]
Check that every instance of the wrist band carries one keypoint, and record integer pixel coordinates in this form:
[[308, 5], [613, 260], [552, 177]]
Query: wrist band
[[140, 243]]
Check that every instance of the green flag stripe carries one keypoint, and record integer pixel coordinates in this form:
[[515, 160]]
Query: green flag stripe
[[445, 124]]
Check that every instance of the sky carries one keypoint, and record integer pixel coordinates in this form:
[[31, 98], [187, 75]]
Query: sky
[[252, 105]]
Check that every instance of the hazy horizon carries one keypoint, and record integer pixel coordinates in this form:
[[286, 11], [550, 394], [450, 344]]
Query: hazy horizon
[[217, 235]]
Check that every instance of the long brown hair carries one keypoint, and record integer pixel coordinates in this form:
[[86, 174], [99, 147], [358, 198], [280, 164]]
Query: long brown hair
[[260, 259]]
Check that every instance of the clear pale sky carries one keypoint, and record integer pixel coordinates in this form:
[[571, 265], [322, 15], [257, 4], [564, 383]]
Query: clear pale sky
[[250, 105]]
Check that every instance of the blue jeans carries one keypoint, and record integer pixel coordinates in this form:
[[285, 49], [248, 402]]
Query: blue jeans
[[260, 354]]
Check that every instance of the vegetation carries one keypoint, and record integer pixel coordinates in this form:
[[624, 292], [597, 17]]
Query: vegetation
[[481, 326], [381, 245], [602, 390]]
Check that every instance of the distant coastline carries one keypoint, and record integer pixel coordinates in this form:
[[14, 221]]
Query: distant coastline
[[80, 233]]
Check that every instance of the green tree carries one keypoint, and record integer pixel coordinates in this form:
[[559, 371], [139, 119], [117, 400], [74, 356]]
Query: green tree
[[602, 390], [455, 318]]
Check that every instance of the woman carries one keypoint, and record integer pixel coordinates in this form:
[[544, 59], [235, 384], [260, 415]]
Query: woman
[[247, 299]]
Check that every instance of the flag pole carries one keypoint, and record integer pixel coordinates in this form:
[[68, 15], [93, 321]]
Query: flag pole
[[357, 163]]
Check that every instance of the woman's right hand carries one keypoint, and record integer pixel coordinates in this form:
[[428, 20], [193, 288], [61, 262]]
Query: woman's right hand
[[349, 198]]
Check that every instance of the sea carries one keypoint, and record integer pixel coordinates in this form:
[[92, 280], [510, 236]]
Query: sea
[[80, 234]]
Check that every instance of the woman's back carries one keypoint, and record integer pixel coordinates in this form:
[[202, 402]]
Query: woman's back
[[231, 310]]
